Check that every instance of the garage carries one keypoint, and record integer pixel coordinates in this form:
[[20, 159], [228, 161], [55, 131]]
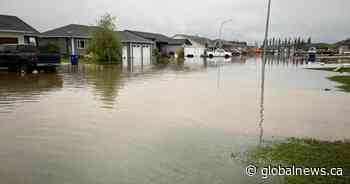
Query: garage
[[137, 55], [147, 54], [8, 40]]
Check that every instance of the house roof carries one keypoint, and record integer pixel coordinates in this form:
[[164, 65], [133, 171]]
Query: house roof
[[128, 37], [84, 31], [14, 24], [156, 37], [344, 42], [151, 36], [198, 39], [71, 30], [179, 42]]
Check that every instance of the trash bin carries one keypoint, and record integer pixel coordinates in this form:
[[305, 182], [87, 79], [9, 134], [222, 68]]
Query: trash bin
[[312, 57], [74, 59]]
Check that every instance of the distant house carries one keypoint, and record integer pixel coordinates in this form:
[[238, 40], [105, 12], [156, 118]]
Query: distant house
[[13, 30], [75, 39], [165, 45], [344, 46], [197, 45]]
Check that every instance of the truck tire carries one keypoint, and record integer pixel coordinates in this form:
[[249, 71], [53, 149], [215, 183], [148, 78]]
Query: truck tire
[[22, 68]]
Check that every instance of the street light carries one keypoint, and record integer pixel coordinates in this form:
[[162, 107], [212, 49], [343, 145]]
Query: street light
[[220, 31], [262, 95]]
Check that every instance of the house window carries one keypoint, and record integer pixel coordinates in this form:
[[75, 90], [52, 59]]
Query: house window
[[81, 44]]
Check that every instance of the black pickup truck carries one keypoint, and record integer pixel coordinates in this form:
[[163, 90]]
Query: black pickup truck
[[26, 58]]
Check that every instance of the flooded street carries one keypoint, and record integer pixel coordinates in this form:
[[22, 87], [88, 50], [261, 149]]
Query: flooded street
[[101, 124]]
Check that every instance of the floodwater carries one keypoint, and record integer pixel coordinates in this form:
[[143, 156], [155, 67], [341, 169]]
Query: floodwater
[[176, 124]]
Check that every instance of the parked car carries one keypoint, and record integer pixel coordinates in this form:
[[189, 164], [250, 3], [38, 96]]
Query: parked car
[[219, 53], [26, 58]]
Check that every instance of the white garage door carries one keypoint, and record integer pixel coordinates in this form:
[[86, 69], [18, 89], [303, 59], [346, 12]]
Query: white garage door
[[147, 55], [136, 52]]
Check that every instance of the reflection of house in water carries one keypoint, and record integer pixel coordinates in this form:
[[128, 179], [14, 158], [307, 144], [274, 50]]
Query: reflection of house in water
[[28, 88], [105, 80]]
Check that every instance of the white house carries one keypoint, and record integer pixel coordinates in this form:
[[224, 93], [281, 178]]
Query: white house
[[197, 47], [15, 31]]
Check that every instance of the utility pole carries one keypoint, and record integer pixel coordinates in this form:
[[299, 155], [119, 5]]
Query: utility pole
[[263, 74]]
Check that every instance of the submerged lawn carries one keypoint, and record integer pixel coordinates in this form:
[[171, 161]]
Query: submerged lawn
[[344, 80], [307, 153]]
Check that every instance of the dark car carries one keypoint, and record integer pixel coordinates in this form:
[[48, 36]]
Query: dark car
[[27, 58]]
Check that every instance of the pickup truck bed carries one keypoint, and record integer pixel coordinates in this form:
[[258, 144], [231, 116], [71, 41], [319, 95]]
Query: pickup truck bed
[[27, 58]]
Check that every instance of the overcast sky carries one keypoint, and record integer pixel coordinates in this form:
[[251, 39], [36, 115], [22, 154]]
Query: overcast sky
[[324, 20]]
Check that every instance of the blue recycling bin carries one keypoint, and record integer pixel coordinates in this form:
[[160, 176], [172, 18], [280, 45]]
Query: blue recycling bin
[[312, 57], [74, 59]]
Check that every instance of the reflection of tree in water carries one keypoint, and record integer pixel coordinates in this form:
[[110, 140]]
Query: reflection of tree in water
[[107, 81], [15, 88]]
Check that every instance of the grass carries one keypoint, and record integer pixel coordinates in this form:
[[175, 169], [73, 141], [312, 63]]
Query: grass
[[344, 80], [307, 153], [343, 70]]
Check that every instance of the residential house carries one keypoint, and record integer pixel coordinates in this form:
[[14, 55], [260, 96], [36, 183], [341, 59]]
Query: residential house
[[197, 45], [344, 46], [13, 30], [165, 45], [74, 39]]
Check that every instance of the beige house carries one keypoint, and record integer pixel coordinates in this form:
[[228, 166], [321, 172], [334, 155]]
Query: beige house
[[344, 46], [15, 31]]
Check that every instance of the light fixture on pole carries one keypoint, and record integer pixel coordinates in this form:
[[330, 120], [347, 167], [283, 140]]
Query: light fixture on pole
[[220, 31]]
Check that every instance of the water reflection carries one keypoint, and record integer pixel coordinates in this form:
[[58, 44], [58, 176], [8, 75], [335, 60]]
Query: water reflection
[[17, 89], [106, 80]]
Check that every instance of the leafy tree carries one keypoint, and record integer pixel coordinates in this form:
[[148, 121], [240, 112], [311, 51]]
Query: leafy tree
[[309, 42], [105, 44]]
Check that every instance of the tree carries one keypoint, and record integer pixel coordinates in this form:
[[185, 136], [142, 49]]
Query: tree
[[309, 42], [105, 44]]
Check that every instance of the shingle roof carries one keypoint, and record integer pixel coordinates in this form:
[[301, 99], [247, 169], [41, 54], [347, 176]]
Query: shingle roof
[[151, 36], [129, 37], [344, 42], [13, 23], [84, 31], [198, 39], [71, 30]]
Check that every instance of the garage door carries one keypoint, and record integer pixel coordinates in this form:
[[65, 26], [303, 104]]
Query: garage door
[[147, 55], [8, 40], [136, 52]]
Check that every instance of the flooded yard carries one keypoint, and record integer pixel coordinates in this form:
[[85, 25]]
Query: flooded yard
[[175, 124]]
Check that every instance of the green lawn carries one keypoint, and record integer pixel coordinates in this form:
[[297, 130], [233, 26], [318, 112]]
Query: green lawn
[[344, 80], [307, 153]]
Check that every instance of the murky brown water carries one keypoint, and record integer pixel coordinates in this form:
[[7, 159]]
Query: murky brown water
[[178, 124]]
